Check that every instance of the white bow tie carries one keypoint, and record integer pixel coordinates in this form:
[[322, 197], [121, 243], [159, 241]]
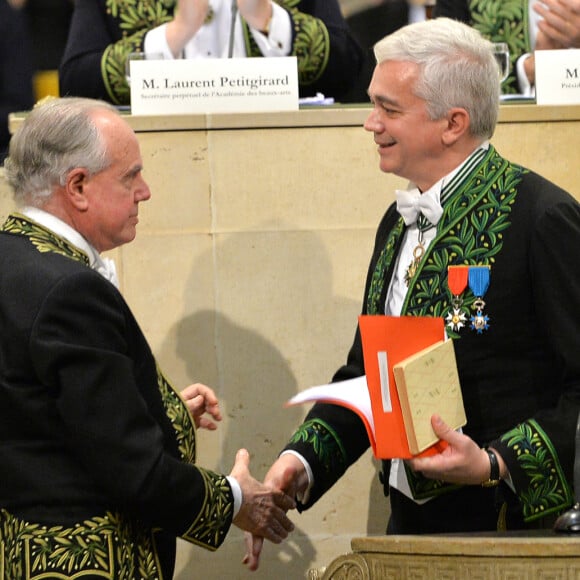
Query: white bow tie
[[412, 203], [106, 268]]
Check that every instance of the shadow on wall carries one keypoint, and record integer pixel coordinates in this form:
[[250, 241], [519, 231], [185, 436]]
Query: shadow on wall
[[262, 429], [242, 360]]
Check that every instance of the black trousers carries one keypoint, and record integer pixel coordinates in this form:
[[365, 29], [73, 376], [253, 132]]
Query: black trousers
[[468, 509]]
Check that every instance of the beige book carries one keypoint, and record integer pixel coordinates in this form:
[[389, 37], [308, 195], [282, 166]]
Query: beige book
[[427, 384]]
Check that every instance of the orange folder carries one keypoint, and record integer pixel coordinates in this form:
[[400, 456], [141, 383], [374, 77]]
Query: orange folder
[[386, 341]]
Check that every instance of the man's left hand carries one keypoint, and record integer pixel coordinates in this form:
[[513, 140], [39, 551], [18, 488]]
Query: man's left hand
[[200, 400], [462, 461]]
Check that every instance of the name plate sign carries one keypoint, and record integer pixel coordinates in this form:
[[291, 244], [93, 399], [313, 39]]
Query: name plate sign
[[214, 85], [557, 76]]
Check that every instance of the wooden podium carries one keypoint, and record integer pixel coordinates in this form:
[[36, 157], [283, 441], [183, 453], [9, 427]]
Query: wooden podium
[[493, 556]]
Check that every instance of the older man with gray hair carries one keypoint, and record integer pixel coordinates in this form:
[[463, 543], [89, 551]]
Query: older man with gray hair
[[97, 449]]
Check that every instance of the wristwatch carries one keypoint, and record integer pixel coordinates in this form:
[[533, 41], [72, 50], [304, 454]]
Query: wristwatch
[[494, 478]]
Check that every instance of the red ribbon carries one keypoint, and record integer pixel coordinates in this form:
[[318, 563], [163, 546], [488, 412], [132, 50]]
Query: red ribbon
[[457, 279]]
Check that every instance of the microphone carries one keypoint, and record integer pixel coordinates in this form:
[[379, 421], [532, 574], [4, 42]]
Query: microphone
[[232, 28]]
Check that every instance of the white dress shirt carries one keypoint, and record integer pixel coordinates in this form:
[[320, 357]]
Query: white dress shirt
[[104, 266], [396, 296], [212, 40]]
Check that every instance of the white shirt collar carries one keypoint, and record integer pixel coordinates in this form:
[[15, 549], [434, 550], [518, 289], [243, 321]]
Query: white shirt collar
[[105, 266], [435, 190]]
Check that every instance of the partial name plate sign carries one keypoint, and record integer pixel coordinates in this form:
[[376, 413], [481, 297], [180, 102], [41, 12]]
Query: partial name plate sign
[[557, 76], [214, 85]]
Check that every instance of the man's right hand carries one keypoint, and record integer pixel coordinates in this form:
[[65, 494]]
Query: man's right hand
[[560, 23], [263, 509], [288, 474]]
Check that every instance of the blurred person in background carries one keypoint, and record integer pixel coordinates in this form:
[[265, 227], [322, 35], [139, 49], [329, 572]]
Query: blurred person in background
[[49, 22], [15, 68], [104, 32], [525, 25], [373, 20]]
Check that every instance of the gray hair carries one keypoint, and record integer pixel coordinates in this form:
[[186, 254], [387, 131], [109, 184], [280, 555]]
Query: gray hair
[[457, 69], [55, 137]]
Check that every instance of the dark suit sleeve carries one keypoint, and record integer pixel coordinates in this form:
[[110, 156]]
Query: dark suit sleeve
[[89, 353], [456, 9], [368, 26], [93, 64], [329, 58], [332, 437], [540, 451], [89, 35], [15, 69]]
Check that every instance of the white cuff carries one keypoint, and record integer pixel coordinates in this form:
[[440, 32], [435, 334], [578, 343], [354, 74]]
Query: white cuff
[[156, 42], [302, 496], [279, 39], [526, 89], [237, 492]]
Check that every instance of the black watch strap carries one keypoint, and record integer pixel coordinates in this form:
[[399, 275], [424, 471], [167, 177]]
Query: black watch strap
[[494, 478]]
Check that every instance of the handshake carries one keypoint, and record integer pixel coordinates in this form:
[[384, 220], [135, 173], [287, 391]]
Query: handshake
[[264, 505], [262, 513]]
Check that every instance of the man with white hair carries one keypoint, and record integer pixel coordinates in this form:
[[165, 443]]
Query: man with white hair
[[515, 325]]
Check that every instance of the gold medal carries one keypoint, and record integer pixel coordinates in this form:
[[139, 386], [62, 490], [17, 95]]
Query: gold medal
[[418, 252]]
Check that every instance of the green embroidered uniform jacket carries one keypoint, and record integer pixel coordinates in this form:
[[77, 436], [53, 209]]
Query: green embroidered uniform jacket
[[520, 378], [97, 450], [104, 32], [499, 21]]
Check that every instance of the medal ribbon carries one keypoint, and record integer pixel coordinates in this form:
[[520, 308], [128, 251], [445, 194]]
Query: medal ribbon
[[477, 277], [479, 280], [479, 283], [457, 279]]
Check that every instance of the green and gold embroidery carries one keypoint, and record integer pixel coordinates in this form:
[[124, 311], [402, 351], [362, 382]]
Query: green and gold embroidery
[[210, 526], [44, 240], [424, 488], [504, 21], [108, 546], [311, 44], [383, 264], [135, 19], [180, 418], [208, 530], [325, 444], [548, 491], [471, 233]]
